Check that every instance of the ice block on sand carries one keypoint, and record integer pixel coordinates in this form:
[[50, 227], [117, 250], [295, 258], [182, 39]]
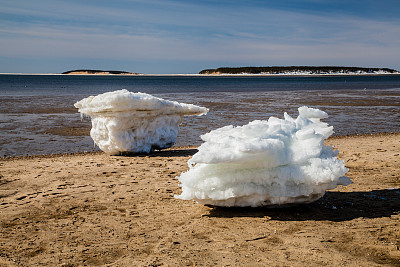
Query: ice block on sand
[[123, 121], [266, 162]]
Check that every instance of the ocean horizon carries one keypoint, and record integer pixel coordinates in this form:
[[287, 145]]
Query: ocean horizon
[[216, 75]]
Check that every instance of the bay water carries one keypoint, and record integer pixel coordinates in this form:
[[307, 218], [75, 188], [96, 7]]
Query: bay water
[[37, 115]]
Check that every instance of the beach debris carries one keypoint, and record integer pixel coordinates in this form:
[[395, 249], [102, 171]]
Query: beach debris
[[266, 162], [123, 121]]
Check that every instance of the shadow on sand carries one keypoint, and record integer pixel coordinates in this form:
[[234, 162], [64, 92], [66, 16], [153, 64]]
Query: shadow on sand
[[163, 153], [334, 206]]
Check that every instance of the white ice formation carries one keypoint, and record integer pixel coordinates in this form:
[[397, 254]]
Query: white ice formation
[[269, 162], [123, 121]]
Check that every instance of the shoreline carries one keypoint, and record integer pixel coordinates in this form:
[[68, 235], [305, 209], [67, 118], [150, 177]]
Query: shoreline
[[95, 209], [180, 147]]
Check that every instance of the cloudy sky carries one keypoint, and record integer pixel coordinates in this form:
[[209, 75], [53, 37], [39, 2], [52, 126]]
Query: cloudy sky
[[177, 36]]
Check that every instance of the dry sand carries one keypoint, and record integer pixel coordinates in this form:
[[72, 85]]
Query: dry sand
[[94, 209]]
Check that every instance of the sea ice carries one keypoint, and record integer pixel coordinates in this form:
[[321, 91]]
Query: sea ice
[[266, 162], [123, 121]]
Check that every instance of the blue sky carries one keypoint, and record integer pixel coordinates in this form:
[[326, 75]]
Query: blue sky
[[154, 36]]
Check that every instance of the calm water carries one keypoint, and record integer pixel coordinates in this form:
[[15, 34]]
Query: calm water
[[36, 85], [37, 114]]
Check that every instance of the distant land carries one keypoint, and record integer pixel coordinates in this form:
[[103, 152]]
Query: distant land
[[99, 72], [299, 70], [274, 70]]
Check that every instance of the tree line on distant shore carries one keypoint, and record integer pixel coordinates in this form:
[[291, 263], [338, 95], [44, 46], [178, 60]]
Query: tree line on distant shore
[[97, 71], [305, 69]]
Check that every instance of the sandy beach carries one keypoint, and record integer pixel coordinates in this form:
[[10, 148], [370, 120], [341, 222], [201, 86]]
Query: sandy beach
[[98, 210]]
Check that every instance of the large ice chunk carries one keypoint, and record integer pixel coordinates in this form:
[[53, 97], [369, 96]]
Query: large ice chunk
[[123, 121], [273, 162]]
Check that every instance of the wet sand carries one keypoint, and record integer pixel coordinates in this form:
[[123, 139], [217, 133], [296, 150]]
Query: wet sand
[[99, 210], [32, 125]]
